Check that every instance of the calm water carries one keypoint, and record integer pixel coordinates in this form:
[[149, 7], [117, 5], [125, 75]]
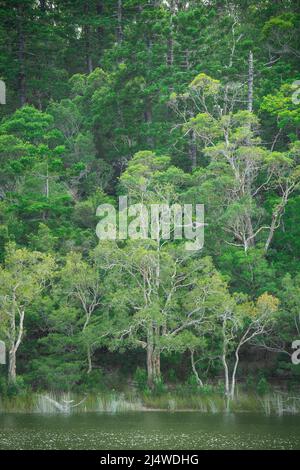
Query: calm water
[[149, 430]]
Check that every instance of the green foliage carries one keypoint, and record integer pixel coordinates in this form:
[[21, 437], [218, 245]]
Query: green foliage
[[140, 378], [262, 386], [151, 101]]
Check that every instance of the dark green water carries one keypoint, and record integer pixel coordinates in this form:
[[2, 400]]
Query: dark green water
[[149, 430]]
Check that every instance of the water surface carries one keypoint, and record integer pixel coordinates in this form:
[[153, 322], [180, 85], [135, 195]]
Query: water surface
[[149, 430]]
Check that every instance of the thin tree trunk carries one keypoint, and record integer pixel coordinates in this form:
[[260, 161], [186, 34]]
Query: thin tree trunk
[[120, 21], [233, 378], [250, 232], [170, 40], [150, 351], [43, 5], [15, 342], [87, 31], [89, 357], [99, 11], [277, 213], [271, 232], [150, 365], [170, 49], [226, 374], [250, 83], [12, 372], [156, 365], [224, 361], [148, 120], [21, 57], [199, 381], [47, 183], [193, 150]]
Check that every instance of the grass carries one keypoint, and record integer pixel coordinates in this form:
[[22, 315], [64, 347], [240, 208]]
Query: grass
[[275, 403]]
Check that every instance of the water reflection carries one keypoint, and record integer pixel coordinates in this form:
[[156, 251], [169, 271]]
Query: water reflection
[[149, 430]]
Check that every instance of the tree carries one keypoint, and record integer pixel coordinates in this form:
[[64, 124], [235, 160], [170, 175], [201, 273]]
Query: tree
[[81, 285], [23, 279], [156, 297], [231, 143], [242, 322]]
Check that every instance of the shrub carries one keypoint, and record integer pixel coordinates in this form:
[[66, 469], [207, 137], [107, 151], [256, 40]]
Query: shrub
[[140, 378], [262, 386]]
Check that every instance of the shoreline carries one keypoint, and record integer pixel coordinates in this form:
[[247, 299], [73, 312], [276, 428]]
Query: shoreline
[[47, 403]]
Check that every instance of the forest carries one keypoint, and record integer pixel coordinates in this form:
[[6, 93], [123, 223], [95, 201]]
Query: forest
[[162, 101]]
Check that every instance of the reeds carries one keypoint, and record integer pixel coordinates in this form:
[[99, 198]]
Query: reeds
[[277, 403]]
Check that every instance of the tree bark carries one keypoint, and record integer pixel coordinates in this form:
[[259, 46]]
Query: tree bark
[[199, 381], [193, 149], [87, 33], [156, 364], [153, 359], [150, 363], [120, 21], [233, 378], [89, 357], [12, 369], [250, 82], [43, 5], [21, 57]]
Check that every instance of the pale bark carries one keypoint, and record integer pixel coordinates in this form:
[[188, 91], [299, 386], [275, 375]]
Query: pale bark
[[199, 381], [12, 373], [16, 336], [193, 150], [250, 82]]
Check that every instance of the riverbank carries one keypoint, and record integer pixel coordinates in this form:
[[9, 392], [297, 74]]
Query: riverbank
[[275, 403]]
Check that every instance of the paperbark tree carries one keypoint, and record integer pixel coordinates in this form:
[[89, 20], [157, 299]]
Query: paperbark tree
[[242, 322], [22, 280], [81, 283]]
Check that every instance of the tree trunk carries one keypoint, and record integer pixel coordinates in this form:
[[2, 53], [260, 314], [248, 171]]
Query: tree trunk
[[21, 57], [87, 33], [224, 361], [156, 365], [150, 364], [170, 40], [277, 213], [119, 19], [250, 232], [153, 359], [89, 358], [193, 150], [12, 366], [148, 120], [226, 374], [170, 49], [250, 83], [233, 378], [99, 11], [43, 5], [199, 381]]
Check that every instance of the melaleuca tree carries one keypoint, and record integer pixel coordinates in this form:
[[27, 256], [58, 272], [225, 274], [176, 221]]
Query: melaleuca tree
[[230, 140], [23, 278]]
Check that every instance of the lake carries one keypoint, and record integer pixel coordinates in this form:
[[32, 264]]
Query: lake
[[149, 430]]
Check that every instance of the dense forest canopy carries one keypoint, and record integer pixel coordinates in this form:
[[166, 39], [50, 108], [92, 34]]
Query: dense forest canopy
[[176, 101]]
